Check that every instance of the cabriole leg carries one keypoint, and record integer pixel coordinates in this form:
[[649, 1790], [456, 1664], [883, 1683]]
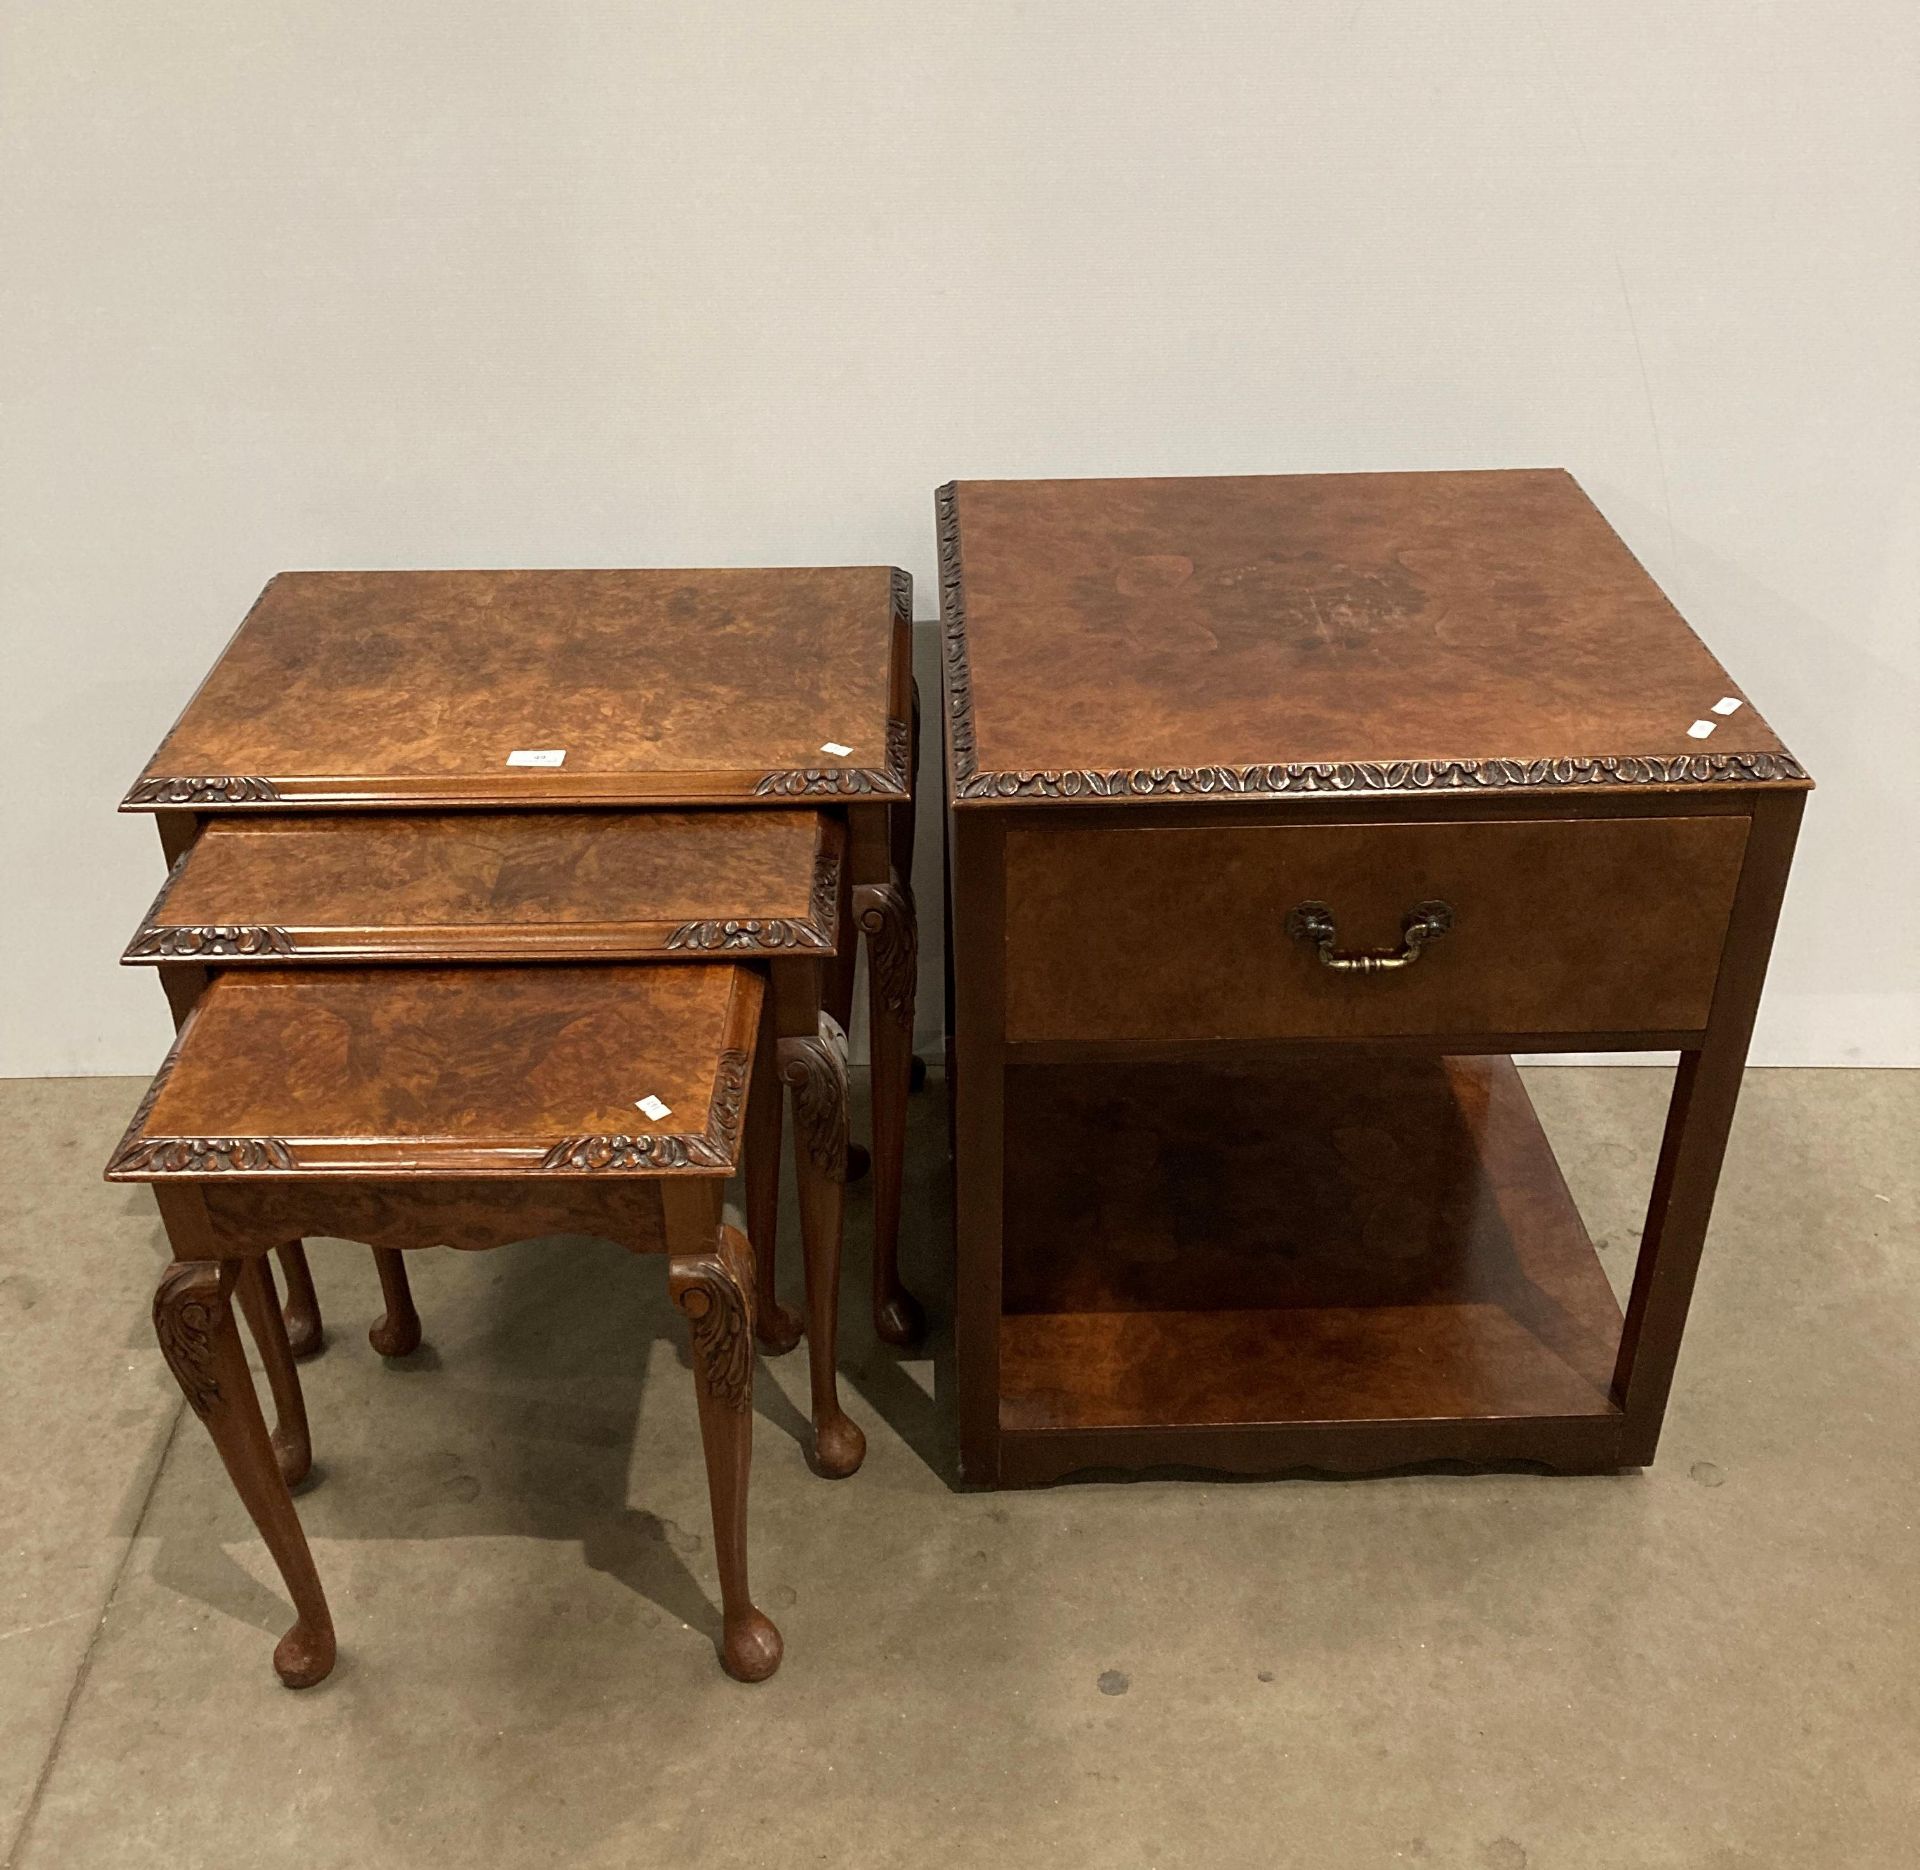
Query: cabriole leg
[[885, 914], [305, 1333], [715, 1291], [292, 1444], [396, 1332], [776, 1325], [193, 1319], [836, 994], [816, 1072]]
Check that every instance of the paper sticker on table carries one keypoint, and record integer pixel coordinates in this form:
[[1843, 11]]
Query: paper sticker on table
[[537, 756], [1727, 704], [1701, 729], [835, 748], [652, 1107]]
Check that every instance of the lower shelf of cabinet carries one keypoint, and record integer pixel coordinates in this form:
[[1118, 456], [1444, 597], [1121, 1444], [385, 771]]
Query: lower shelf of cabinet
[[1338, 1261]]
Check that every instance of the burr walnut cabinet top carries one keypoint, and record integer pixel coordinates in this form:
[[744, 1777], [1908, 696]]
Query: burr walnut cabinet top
[[397, 688], [474, 886], [452, 1071], [1319, 633]]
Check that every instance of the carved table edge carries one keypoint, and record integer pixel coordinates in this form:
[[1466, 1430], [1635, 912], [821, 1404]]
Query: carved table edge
[[893, 781], [717, 1147], [713, 1150], [819, 931], [1680, 771], [586, 791]]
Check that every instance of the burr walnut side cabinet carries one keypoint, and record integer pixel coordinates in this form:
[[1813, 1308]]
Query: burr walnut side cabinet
[[1281, 811]]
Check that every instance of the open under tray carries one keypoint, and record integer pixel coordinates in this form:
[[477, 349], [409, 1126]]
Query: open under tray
[[1331, 1239]]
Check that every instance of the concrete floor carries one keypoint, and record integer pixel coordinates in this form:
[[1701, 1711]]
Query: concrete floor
[[1714, 1664]]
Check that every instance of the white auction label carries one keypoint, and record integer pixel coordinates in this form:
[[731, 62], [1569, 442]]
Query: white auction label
[[1701, 729], [1727, 704], [835, 748], [652, 1106], [537, 756]]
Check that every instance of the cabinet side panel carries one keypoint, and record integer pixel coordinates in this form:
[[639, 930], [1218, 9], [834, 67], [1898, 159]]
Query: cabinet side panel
[[976, 843]]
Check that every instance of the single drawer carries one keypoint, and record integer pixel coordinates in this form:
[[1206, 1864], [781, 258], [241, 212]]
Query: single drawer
[[1586, 925]]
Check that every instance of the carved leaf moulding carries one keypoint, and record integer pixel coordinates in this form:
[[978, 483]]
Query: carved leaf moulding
[[847, 781], [816, 932], [181, 943], [816, 1070], [130, 1137], [714, 1148], [953, 617], [884, 912], [189, 1312], [824, 903], [201, 1155], [1684, 769], [1294, 776], [635, 1152], [775, 932], [216, 789], [715, 1295]]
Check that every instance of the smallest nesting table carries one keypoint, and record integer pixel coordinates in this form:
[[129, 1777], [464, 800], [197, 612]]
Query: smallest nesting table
[[410, 1107]]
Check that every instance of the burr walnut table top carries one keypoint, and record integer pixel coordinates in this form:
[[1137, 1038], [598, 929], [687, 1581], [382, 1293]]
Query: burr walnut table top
[[399, 688], [261, 888], [1319, 633], [456, 1071]]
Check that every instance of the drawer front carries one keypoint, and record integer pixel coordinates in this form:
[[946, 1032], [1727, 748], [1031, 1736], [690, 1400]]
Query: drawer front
[[1181, 933]]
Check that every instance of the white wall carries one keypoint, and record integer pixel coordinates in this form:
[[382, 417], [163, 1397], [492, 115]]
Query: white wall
[[347, 282]]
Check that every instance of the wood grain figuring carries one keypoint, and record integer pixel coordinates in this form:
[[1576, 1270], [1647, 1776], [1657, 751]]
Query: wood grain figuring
[[1318, 633], [474, 886], [1338, 1364], [1337, 1239], [456, 1071], [1603, 924], [413, 687]]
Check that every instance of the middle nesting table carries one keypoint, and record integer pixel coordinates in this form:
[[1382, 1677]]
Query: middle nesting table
[[761, 888]]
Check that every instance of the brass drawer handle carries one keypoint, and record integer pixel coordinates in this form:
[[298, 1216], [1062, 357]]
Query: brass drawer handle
[[1424, 922]]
